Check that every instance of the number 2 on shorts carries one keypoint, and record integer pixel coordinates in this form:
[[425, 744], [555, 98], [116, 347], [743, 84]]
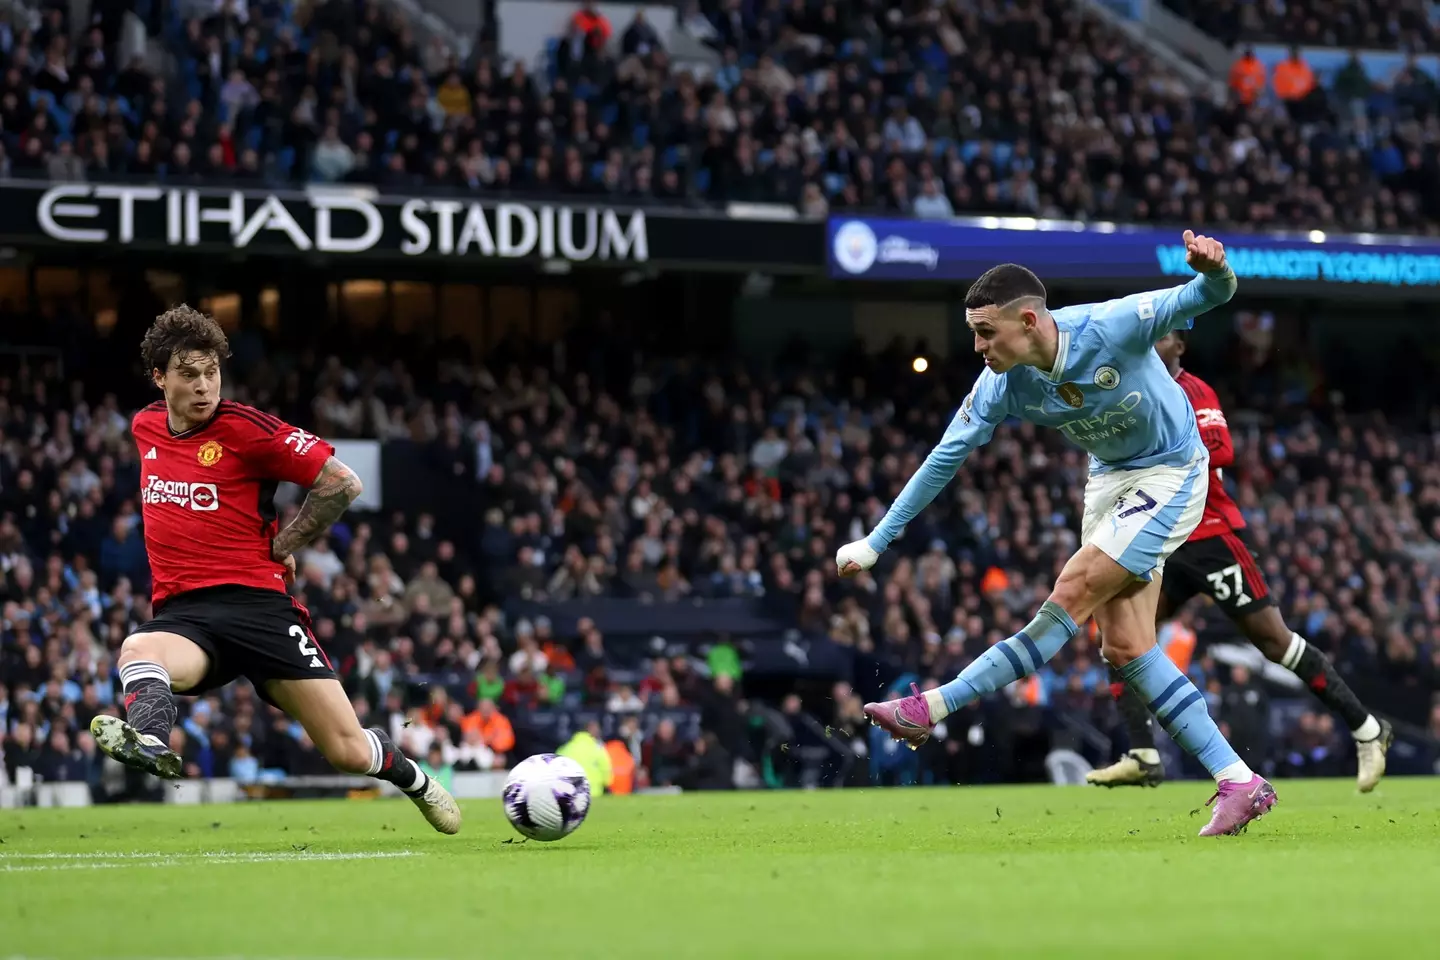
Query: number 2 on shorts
[[1146, 502], [306, 647]]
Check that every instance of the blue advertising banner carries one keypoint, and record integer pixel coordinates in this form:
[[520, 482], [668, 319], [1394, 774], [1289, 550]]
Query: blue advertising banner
[[961, 249]]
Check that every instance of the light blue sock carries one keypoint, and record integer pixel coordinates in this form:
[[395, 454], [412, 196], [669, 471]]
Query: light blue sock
[[1180, 708], [1012, 658]]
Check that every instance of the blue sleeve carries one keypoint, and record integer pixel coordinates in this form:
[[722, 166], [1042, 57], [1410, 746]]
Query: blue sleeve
[[1141, 319], [972, 427]]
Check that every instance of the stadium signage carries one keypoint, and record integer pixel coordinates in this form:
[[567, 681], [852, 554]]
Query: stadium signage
[[519, 230], [959, 250], [339, 223]]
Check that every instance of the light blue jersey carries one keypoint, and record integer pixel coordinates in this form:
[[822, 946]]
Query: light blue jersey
[[1109, 392]]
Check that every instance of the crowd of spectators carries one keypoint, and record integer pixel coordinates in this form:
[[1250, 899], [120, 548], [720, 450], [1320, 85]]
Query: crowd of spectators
[[1034, 107], [664, 479], [1409, 25]]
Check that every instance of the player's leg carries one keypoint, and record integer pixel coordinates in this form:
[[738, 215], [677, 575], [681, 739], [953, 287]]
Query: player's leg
[[1127, 624], [153, 664], [1140, 766], [1237, 585], [1266, 629], [1135, 529], [322, 707], [1083, 585], [1137, 520], [1087, 580], [1140, 535]]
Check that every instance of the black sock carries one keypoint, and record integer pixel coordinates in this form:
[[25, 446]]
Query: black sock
[[389, 763], [1138, 722], [1320, 675], [149, 705]]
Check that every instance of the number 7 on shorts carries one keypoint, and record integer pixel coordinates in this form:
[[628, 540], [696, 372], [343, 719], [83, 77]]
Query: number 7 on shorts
[[1146, 502]]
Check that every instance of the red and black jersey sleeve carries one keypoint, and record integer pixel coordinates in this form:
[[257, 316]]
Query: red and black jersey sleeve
[[1214, 431], [272, 448]]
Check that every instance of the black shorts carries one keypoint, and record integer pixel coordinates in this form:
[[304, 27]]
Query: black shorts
[[246, 632], [1222, 568]]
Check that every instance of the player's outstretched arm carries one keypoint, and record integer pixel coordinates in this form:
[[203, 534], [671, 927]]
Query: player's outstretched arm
[[972, 426], [1152, 315], [330, 495], [1216, 282]]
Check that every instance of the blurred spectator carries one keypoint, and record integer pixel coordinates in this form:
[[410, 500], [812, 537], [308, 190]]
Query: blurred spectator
[[640, 38], [1245, 708], [709, 766], [623, 771], [591, 24], [1294, 83], [435, 766], [1247, 77], [932, 203], [22, 752], [1315, 748], [587, 749], [666, 756]]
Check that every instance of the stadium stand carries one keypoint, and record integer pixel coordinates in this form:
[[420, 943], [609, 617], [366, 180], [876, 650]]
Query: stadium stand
[[1368, 24], [1039, 109]]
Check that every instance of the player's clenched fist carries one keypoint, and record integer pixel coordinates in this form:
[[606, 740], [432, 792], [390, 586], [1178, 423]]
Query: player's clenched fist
[[1204, 254], [855, 557]]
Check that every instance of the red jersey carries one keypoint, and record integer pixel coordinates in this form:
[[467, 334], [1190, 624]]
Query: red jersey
[[1221, 513], [207, 495]]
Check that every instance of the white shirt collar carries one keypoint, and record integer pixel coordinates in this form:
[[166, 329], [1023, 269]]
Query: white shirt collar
[[1062, 349]]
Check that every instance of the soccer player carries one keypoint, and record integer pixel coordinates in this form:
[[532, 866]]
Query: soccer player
[[221, 565], [1217, 562], [1090, 371]]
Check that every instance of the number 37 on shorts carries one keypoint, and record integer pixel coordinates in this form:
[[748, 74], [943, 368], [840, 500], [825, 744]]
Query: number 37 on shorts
[[1139, 517]]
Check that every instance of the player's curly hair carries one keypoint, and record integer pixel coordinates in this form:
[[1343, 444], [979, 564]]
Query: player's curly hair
[[181, 329]]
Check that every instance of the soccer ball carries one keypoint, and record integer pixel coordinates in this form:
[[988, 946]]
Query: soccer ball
[[547, 797]]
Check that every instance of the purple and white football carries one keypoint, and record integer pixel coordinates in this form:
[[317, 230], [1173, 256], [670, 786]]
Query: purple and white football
[[547, 796]]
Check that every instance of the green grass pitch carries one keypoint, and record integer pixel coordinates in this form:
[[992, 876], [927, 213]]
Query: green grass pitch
[[957, 872]]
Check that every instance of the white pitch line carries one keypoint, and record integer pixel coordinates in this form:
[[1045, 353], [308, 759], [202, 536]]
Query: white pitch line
[[215, 854], [32, 862]]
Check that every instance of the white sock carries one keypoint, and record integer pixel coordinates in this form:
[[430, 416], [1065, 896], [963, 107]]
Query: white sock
[[935, 700], [377, 760], [1294, 652], [1146, 755], [419, 780], [1237, 772], [377, 753], [1369, 730], [137, 670]]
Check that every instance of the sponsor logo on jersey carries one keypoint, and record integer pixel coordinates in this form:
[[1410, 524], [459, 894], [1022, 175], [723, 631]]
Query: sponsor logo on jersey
[[201, 497], [1210, 417], [1107, 378], [210, 454], [151, 455], [301, 441], [1110, 422], [1071, 394]]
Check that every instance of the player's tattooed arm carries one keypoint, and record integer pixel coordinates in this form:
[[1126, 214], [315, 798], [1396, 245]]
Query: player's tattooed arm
[[330, 495]]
